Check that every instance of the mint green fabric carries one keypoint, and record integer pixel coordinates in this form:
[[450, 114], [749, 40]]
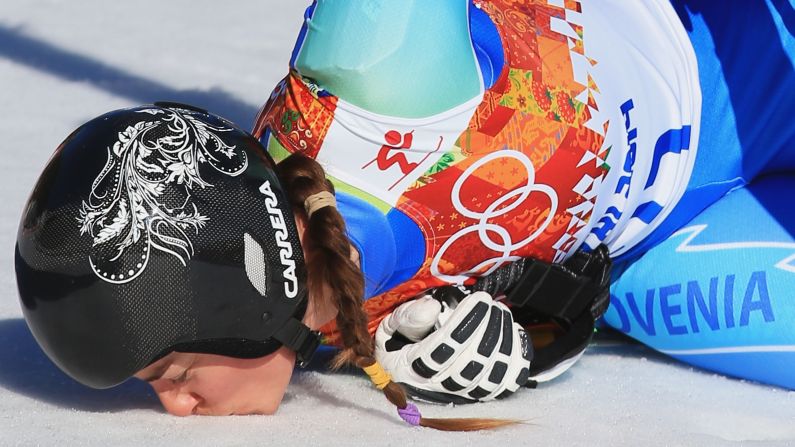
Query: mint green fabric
[[404, 58]]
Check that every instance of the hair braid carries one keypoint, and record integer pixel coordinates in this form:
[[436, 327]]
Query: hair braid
[[336, 280], [332, 273]]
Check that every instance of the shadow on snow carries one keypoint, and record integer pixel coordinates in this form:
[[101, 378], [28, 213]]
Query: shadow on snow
[[71, 66]]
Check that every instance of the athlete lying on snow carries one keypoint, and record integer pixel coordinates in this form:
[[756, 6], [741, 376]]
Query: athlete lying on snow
[[519, 156]]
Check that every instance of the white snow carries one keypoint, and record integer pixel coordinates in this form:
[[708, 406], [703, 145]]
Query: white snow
[[64, 62]]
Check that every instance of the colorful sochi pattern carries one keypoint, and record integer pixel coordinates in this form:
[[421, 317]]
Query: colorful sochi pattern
[[518, 177], [300, 117]]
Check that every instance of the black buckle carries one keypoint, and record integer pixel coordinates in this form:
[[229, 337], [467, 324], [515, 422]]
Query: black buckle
[[304, 354], [299, 338]]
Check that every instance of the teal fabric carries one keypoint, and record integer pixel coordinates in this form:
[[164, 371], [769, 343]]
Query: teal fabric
[[397, 58]]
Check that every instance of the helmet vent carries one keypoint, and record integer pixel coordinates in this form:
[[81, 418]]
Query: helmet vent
[[256, 265]]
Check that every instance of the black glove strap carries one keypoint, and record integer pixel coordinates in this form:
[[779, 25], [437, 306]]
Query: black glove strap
[[299, 338], [565, 291]]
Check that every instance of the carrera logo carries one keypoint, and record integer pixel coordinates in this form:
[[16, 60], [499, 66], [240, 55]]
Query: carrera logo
[[255, 255]]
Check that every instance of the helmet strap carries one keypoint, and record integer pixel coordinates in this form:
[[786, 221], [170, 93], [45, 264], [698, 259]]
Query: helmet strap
[[296, 336]]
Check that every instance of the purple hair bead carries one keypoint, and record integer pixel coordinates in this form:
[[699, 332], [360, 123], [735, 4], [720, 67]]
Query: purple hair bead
[[410, 414]]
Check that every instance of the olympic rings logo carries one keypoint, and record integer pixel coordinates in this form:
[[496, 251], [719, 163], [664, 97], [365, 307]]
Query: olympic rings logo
[[484, 228]]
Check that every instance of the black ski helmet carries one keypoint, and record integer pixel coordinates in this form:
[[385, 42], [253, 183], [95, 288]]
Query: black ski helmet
[[155, 229]]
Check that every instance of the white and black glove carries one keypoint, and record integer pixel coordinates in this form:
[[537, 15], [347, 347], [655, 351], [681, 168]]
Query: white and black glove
[[472, 353]]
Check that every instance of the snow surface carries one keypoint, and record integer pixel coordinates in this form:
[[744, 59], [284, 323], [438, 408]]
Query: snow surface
[[64, 62]]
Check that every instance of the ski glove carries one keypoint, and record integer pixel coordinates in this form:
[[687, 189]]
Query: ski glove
[[474, 352]]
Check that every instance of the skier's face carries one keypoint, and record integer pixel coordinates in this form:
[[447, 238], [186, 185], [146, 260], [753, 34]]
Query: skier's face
[[208, 384], [216, 385]]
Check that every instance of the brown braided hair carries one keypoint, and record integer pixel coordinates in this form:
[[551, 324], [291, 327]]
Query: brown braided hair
[[336, 280]]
